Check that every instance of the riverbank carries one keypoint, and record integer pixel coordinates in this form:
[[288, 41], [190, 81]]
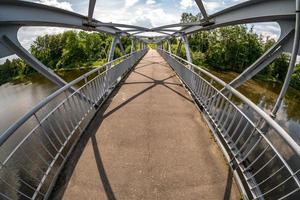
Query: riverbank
[[63, 72], [19, 96], [295, 83]]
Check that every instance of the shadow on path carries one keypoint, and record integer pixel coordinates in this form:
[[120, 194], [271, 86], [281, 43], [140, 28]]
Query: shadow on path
[[90, 135], [228, 185]]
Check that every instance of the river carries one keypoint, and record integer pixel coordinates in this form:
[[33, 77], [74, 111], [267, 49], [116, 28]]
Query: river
[[17, 98], [264, 94]]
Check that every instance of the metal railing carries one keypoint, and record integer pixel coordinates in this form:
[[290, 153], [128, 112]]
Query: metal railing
[[35, 148], [265, 159]]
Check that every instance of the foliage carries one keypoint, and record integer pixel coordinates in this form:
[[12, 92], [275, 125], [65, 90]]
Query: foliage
[[234, 48], [295, 81], [13, 69], [152, 46], [68, 50]]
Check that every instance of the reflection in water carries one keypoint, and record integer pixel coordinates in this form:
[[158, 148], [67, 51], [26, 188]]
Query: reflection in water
[[18, 97], [264, 94]]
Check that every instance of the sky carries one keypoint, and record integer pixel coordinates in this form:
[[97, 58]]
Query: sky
[[147, 13]]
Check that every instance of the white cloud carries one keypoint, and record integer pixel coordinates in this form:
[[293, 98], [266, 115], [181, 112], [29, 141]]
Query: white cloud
[[213, 6], [147, 16], [63, 4], [185, 4], [27, 35], [157, 16], [150, 2], [133, 12], [129, 3], [271, 30]]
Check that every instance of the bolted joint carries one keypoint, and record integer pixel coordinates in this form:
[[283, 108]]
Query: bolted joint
[[89, 25], [208, 23]]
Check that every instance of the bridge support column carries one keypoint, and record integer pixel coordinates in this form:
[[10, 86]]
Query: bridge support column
[[142, 43], [121, 47], [112, 49], [179, 47], [133, 43], [292, 63], [116, 39], [187, 48], [169, 46]]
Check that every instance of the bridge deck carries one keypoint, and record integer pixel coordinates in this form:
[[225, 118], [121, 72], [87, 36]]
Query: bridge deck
[[149, 141]]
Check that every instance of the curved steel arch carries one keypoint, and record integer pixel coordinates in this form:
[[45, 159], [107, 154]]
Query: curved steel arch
[[15, 14]]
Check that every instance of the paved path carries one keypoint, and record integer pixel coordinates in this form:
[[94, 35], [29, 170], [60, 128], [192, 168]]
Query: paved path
[[148, 142]]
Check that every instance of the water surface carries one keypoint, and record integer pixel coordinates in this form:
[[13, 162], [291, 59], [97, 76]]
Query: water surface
[[19, 97], [264, 94]]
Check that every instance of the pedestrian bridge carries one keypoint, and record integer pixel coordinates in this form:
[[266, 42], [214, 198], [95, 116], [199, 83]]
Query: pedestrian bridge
[[150, 124], [147, 125], [148, 141]]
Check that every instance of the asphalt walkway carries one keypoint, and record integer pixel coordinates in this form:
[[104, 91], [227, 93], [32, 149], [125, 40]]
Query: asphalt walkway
[[149, 141]]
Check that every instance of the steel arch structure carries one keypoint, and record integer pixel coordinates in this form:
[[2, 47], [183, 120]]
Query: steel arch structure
[[16, 14]]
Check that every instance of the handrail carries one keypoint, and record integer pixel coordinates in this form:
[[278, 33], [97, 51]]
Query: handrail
[[245, 133], [39, 143], [8, 132], [263, 114]]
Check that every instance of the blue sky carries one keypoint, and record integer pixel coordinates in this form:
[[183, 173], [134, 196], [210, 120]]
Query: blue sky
[[148, 13]]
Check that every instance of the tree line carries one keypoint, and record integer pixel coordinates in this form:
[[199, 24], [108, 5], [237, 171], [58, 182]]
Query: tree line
[[234, 48], [68, 50]]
